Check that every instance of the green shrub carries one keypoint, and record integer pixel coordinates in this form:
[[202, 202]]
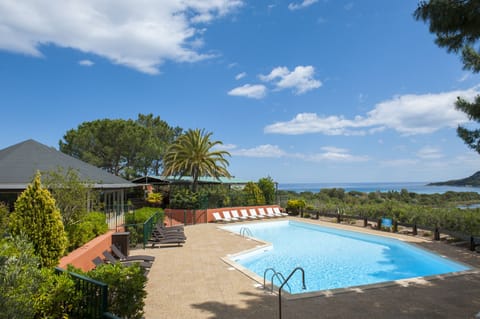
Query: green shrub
[[20, 278], [57, 295], [93, 225], [253, 194], [38, 218], [139, 216], [126, 288], [295, 205]]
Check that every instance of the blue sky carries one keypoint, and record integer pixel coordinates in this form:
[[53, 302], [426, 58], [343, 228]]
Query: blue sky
[[299, 90]]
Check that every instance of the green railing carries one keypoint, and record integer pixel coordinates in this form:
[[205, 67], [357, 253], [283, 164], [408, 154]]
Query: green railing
[[148, 227], [94, 302]]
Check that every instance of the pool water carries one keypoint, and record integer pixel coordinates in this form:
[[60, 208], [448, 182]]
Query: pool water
[[334, 258]]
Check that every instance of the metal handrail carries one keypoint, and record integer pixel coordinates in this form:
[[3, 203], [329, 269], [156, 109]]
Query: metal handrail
[[284, 283], [245, 231], [280, 278]]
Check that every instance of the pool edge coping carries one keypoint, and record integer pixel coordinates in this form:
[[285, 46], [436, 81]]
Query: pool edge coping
[[353, 289]]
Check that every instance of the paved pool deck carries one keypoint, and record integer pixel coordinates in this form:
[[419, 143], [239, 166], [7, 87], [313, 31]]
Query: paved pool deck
[[193, 282]]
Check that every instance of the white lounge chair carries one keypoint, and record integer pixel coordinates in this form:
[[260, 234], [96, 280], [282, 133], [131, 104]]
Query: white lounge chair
[[235, 215], [218, 218], [261, 212], [270, 212], [227, 216], [276, 210], [253, 213], [245, 214]]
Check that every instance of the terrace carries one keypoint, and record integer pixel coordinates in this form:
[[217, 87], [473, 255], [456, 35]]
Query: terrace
[[193, 282]]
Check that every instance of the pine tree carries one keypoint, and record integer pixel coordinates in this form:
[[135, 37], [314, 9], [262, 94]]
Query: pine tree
[[456, 25], [37, 218]]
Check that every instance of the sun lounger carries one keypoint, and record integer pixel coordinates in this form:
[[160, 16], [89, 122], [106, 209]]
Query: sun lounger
[[237, 216], [97, 261], [253, 213], [218, 218], [111, 259], [245, 214], [277, 211], [261, 212], [122, 257], [167, 241], [227, 216], [270, 212]]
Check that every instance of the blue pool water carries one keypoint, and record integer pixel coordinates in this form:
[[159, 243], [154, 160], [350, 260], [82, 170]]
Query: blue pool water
[[334, 258]]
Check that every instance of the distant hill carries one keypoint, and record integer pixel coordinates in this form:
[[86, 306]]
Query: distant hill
[[473, 181]]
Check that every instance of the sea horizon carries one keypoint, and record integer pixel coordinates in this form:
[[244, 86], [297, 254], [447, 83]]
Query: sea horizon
[[413, 187]]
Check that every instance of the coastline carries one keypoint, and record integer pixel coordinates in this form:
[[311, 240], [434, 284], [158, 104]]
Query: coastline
[[412, 187]]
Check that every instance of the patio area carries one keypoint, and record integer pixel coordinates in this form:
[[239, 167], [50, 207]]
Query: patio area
[[193, 282]]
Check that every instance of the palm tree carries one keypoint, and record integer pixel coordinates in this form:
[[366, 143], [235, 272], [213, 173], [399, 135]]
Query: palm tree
[[192, 155]]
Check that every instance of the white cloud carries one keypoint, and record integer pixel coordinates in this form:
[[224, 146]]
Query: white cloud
[[331, 153], [300, 79], [137, 34], [86, 63], [429, 152], [306, 3], [256, 91], [240, 76], [407, 114], [266, 150]]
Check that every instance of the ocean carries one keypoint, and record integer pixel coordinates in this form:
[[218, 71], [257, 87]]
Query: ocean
[[413, 187]]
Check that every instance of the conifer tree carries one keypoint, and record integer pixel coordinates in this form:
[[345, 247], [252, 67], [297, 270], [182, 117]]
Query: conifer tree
[[456, 25], [37, 218]]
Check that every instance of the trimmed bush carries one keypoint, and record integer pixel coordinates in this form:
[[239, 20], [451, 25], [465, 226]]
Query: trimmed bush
[[37, 217], [126, 288]]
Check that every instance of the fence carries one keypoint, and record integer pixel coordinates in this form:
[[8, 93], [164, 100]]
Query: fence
[[149, 225], [470, 239], [115, 215], [94, 294]]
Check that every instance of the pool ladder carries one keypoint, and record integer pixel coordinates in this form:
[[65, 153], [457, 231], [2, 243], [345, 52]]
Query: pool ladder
[[245, 231], [278, 275]]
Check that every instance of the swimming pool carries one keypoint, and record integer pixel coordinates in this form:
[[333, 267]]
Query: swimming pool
[[334, 258]]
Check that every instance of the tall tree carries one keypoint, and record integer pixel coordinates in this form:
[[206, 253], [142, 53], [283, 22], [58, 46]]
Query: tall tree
[[193, 154], [267, 186], [122, 147], [155, 145], [37, 217], [456, 25]]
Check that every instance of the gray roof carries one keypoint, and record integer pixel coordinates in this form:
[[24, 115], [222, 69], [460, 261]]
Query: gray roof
[[20, 162], [188, 179]]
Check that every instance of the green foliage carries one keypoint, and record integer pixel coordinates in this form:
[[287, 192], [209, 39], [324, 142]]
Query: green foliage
[[57, 295], [267, 185], [139, 216], [455, 25], [423, 209], [122, 147], [184, 199], [92, 225], [20, 278], [193, 154], [126, 288], [4, 217], [294, 206], [253, 195], [37, 217], [71, 194], [154, 198]]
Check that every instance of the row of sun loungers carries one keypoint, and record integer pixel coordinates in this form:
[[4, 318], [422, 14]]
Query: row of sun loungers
[[173, 235], [116, 256], [234, 215]]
